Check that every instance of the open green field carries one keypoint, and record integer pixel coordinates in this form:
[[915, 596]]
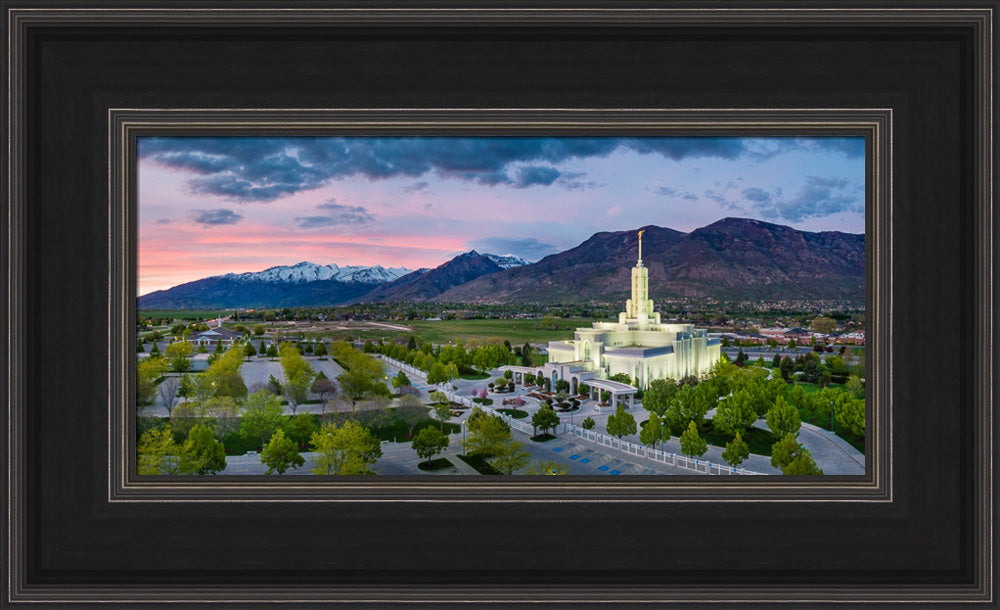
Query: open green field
[[189, 315], [515, 331]]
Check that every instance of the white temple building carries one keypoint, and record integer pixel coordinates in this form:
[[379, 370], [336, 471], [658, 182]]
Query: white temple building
[[638, 345]]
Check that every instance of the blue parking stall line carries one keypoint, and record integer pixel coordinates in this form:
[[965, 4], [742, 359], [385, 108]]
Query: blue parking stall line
[[615, 472], [573, 457], [584, 460], [602, 467], [557, 448]]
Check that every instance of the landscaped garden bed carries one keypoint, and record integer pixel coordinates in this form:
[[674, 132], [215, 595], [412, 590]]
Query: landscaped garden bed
[[435, 465]]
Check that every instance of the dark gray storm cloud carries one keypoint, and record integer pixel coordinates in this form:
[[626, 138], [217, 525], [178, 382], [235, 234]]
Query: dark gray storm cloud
[[248, 169], [527, 248], [332, 213], [216, 217], [534, 174], [820, 196]]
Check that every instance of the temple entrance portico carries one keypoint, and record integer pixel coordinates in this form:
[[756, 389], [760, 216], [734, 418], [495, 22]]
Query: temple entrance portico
[[620, 392]]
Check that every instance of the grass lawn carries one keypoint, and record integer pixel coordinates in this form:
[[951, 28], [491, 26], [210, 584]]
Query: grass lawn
[[433, 465], [477, 462], [396, 430], [758, 440], [475, 376], [824, 422], [188, 315], [516, 331], [515, 413], [811, 388]]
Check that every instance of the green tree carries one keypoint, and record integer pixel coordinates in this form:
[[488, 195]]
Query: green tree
[[262, 416], [429, 442], [736, 451], [526, 354], [436, 374], [320, 349], [691, 403], [621, 423], [296, 389], [400, 380], [301, 427], [293, 364], [691, 442], [510, 458], [654, 431], [588, 424], [772, 343], [791, 344], [792, 458], [273, 385], [249, 350], [258, 329], [139, 348], [850, 414], [486, 433], [735, 414], [280, 454], [346, 450], [442, 410], [355, 384], [154, 350], [855, 386], [148, 371], [545, 418], [659, 396], [158, 453], [783, 418], [177, 354], [787, 368], [823, 325], [202, 453], [802, 464]]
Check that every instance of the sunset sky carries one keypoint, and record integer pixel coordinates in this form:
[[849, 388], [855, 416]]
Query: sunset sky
[[209, 206]]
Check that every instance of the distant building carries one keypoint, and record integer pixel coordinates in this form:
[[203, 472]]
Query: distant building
[[210, 336], [638, 345]]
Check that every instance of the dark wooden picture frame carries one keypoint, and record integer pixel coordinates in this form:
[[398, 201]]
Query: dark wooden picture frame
[[78, 533]]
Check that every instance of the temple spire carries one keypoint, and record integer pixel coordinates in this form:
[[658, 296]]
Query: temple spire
[[641, 231]]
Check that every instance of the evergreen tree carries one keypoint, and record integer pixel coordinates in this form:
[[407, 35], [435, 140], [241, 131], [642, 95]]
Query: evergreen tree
[[736, 451], [281, 453], [691, 442], [202, 453], [621, 423]]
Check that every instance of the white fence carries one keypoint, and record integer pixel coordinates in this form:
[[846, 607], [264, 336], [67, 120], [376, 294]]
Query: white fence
[[408, 368], [656, 455]]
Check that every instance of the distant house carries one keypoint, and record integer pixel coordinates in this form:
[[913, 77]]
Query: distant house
[[855, 338], [211, 336]]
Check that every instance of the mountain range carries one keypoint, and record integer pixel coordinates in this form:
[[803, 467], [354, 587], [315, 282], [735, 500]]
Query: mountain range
[[733, 258]]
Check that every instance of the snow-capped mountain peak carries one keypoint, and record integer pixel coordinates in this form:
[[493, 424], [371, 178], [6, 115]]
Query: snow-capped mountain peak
[[506, 261], [311, 272]]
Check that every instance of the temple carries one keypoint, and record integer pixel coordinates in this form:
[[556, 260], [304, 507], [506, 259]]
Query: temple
[[638, 345]]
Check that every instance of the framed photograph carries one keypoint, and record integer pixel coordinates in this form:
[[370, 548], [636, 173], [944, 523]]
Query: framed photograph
[[726, 270]]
